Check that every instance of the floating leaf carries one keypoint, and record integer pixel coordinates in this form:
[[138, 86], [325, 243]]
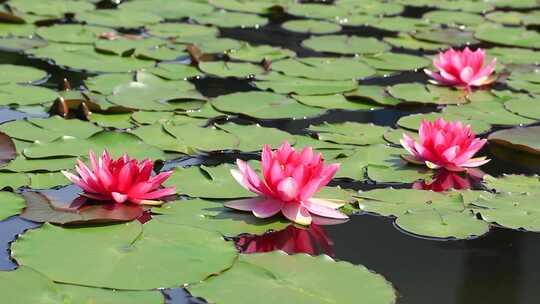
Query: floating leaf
[[302, 86], [511, 211], [253, 137], [22, 164], [425, 213], [335, 101], [351, 133], [377, 94], [201, 139], [395, 62], [324, 68], [487, 111], [341, 44], [512, 36], [515, 184], [57, 207], [409, 42], [115, 143], [25, 94], [311, 26], [230, 69], [118, 120], [529, 108], [523, 139], [446, 36], [53, 8], [12, 204], [17, 73], [259, 53], [48, 129], [453, 18], [175, 71], [415, 92], [20, 44], [224, 18], [130, 250], [263, 105], [71, 33], [169, 9], [213, 216], [119, 18], [278, 277], [182, 30]]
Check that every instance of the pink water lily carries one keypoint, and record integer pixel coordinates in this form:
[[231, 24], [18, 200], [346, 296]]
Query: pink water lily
[[121, 180], [449, 145], [462, 68], [290, 181]]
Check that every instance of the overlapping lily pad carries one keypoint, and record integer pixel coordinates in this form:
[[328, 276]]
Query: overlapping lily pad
[[97, 250], [523, 139], [276, 276], [425, 213]]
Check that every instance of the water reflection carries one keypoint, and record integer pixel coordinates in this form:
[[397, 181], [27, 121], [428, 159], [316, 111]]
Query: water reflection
[[293, 239], [444, 180]]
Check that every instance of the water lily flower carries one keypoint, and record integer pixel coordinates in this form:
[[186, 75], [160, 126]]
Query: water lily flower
[[312, 240], [443, 144], [121, 180], [290, 181], [462, 68]]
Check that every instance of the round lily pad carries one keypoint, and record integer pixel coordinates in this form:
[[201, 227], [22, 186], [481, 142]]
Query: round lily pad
[[449, 36], [253, 137], [395, 62], [247, 52], [453, 18], [351, 133], [510, 210], [324, 68], [311, 26], [524, 139], [18, 94], [425, 213], [302, 86], [341, 44], [48, 129], [318, 11], [278, 277], [230, 69], [20, 44], [415, 92], [213, 216], [119, 18], [515, 184], [123, 256], [224, 18], [16, 74], [529, 108], [71, 33], [12, 204], [53, 8], [263, 105], [169, 9], [513, 36], [334, 101], [175, 71]]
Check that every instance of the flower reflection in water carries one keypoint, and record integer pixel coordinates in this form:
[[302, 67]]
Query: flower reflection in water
[[445, 180], [311, 240]]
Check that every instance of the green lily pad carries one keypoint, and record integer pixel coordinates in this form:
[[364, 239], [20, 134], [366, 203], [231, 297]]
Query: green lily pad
[[488, 111], [213, 216], [156, 136], [395, 135], [522, 139], [53, 8], [116, 120], [416, 92], [263, 105], [512, 36], [42, 290], [84, 57], [514, 55], [334, 101], [20, 44], [351, 133], [115, 143], [409, 42], [230, 69], [400, 24], [258, 53], [119, 18], [105, 83], [354, 165], [148, 118], [224, 18], [12, 93], [169, 9], [412, 122], [395, 62], [453, 18], [398, 171], [12, 204], [71, 33], [196, 138], [373, 93], [341, 44], [17, 30], [57, 208], [259, 7], [174, 71], [311, 26], [514, 184], [207, 182], [276, 276], [511, 211], [302, 86], [152, 93], [181, 30], [253, 137], [529, 108], [32, 180], [22, 164], [123, 256], [372, 8], [17, 73], [511, 18], [211, 45], [48, 129], [446, 36], [324, 68], [425, 213]]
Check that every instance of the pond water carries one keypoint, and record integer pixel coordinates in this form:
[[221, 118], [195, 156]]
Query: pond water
[[149, 92]]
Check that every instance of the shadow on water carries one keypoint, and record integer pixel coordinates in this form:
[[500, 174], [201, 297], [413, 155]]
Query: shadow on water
[[498, 268]]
